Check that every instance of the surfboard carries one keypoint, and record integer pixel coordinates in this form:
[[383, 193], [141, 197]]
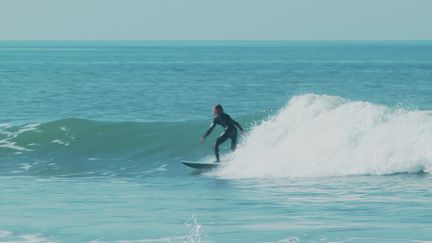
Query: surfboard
[[201, 166]]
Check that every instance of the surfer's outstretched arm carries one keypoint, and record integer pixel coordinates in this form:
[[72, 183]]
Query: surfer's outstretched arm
[[238, 125], [209, 130]]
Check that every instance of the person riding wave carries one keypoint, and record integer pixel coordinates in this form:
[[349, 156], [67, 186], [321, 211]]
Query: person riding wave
[[230, 130]]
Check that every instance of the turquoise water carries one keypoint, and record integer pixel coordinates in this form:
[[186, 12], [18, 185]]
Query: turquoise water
[[338, 147]]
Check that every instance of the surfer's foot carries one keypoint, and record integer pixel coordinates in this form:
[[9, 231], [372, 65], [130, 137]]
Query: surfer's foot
[[217, 161]]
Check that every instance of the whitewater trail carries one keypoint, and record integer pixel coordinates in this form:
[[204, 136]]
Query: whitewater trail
[[316, 135]]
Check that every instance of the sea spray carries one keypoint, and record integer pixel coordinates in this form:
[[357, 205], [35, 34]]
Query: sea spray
[[319, 135], [194, 230]]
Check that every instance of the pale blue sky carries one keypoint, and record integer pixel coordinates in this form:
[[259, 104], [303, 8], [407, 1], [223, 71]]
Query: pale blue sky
[[216, 20]]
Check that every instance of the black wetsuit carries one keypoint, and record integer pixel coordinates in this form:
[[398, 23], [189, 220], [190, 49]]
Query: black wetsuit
[[230, 132]]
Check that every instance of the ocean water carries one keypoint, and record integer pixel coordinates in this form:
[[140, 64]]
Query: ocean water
[[338, 145]]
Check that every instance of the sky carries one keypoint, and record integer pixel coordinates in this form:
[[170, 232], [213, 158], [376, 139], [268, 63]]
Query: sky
[[215, 19]]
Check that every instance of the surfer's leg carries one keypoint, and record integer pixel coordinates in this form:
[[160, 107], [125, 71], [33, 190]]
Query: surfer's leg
[[233, 140], [222, 138]]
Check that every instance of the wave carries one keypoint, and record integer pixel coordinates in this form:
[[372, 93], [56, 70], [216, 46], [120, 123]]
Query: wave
[[79, 146], [312, 136], [319, 135]]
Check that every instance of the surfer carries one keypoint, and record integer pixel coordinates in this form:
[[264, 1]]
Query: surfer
[[230, 130]]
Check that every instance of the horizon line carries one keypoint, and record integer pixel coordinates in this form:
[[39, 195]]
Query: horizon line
[[219, 40]]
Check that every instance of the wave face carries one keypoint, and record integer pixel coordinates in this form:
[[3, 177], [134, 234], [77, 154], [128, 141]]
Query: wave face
[[318, 135], [71, 146]]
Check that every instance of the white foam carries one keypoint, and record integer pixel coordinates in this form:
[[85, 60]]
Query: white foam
[[317, 135], [58, 141], [6, 141], [194, 230], [5, 234], [9, 237]]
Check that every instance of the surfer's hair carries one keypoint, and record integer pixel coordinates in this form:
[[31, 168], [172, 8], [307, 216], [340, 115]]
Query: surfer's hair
[[218, 107]]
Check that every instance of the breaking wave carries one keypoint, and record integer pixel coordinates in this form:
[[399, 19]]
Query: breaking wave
[[312, 136], [318, 135]]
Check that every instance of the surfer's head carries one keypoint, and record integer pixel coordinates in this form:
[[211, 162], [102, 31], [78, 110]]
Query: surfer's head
[[217, 109]]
